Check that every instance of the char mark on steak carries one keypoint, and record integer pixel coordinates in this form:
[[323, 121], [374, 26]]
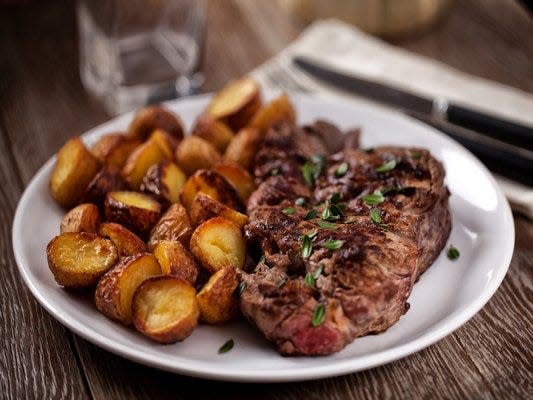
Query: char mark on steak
[[387, 212]]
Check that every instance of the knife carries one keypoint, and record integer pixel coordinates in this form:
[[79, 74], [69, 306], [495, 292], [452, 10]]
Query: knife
[[502, 145]]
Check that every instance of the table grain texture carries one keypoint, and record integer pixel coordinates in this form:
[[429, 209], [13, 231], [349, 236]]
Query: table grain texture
[[42, 103]]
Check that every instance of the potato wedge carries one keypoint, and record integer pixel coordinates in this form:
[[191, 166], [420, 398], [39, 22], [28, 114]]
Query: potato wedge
[[155, 117], [213, 185], [176, 260], [215, 132], [194, 153], [217, 243], [217, 300], [136, 211], [79, 259], [167, 142], [117, 286], [140, 160], [243, 147], [279, 109], [204, 207], [75, 167], [114, 149], [82, 218], [165, 309], [236, 103], [107, 180], [126, 242], [174, 224], [241, 179], [164, 181]]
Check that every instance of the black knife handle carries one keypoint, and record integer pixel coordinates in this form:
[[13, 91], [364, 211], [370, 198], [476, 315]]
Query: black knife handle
[[498, 128]]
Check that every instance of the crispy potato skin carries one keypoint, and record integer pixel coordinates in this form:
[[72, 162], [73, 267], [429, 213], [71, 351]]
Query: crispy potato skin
[[176, 260], [243, 147], [194, 153], [217, 243], [75, 167], [115, 290], [105, 181], [215, 132], [236, 103], [213, 185], [127, 212], [140, 160], [174, 224], [167, 142], [79, 259], [165, 309], [241, 179], [204, 207], [82, 218], [126, 242], [164, 181], [217, 300], [114, 149], [279, 109], [155, 117]]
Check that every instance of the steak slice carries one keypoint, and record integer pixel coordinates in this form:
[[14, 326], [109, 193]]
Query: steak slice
[[383, 247]]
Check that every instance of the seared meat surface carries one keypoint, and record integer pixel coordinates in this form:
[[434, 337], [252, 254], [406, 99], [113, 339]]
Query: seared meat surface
[[346, 269]]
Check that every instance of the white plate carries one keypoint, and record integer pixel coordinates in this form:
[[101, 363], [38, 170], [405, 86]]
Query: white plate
[[446, 296]]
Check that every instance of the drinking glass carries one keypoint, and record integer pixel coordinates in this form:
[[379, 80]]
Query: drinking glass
[[136, 52]]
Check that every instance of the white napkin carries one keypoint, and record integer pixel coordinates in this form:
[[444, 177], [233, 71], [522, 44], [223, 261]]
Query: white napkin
[[349, 50]]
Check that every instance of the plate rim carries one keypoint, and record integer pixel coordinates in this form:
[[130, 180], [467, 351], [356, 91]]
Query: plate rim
[[340, 367]]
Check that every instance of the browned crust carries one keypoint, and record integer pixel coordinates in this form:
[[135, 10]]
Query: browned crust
[[237, 176], [127, 242], [82, 218], [194, 153], [107, 180], [176, 260], [217, 299], [204, 207], [174, 224], [215, 132], [154, 117], [114, 149]]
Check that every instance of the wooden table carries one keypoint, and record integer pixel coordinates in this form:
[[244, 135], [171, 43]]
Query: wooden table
[[42, 103]]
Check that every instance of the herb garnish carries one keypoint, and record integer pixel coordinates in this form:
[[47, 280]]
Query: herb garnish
[[241, 287], [307, 246], [311, 170], [282, 282], [333, 244], [388, 166], [311, 277], [274, 172], [453, 253], [300, 201], [319, 315], [375, 216], [262, 259], [373, 199], [326, 225], [335, 197], [226, 346], [311, 214], [288, 210], [320, 161], [415, 154], [341, 170], [312, 235]]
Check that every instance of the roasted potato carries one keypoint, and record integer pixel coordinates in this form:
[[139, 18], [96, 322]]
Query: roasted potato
[[75, 167], [279, 109], [218, 242], [82, 218], [176, 260], [126, 242], [215, 132], [204, 207], [115, 289], [213, 185], [164, 181], [236, 103], [140, 160], [217, 300], [165, 309], [173, 225], [79, 259], [194, 153], [114, 149], [243, 147], [167, 142], [151, 118], [136, 211], [107, 180], [241, 179]]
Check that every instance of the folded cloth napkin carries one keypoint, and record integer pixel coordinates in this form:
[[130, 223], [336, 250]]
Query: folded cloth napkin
[[349, 50]]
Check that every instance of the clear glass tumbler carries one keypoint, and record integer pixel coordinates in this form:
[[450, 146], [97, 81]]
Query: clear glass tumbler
[[136, 52]]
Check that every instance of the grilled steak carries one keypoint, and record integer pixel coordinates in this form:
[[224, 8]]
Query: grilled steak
[[381, 219]]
